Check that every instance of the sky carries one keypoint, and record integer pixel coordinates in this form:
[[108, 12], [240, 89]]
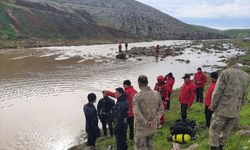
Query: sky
[[219, 14]]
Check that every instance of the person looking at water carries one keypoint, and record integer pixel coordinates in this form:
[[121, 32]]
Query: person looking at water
[[207, 102], [157, 50], [120, 115], [187, 96], [126, 46], [169, 80], [130, 92], [120, 47], [104, 110], [147, 110], [91, 126], [229, 95], [161, 87], [199, 79]]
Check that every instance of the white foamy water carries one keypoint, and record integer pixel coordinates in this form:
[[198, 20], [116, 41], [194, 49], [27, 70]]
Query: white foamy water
[[41, 106]]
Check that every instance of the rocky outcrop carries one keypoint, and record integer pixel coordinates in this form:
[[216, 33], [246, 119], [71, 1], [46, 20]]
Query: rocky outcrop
[[98, 18]]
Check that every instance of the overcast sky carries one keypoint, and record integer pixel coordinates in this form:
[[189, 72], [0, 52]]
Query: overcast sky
[[220, 14]]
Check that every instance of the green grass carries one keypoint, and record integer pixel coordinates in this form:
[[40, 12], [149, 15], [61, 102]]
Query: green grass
[[237, 33], [196, 112]]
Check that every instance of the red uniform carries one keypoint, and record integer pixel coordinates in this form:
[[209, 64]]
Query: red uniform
[[187, 94], [170, 84], [209, 93], [200, 79]]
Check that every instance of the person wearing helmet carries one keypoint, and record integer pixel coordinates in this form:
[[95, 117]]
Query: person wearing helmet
[[161, 87]]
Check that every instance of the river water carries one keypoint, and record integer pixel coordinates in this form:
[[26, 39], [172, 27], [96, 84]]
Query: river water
[[42, 91]]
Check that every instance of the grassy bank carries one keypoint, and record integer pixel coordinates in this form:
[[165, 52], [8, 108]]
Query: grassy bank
[[235, 142]]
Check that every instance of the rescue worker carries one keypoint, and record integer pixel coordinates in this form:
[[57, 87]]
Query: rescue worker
[[187, 96], [126, 46], [170, 80], [104, 110], [130, 92], [199, 79], [91, 120], [157, 50], [229, 95], [161, 87], [207, 102], [148, 110], [120, 115], [120, 48]]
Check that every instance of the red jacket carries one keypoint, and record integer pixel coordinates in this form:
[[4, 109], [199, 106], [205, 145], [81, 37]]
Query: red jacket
[[200, 79], [130, 91], [163, 89], [170, 84], [209, 93], [187, 94]]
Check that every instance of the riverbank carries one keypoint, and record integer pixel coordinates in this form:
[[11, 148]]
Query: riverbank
[[235, 142], [35, 42]]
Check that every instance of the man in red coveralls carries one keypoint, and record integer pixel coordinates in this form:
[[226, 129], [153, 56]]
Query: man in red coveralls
[[208, 111], [199, 80], [161, 87], [130, 92], [187, 96]]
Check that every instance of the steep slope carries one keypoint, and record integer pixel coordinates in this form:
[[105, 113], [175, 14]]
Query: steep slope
[[29, 19], [94, 18], [237, 33]]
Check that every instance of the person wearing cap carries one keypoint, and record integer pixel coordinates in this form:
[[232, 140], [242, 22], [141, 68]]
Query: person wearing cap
[[187, 96], [91, 126], [230, 94], [130, 91], [120, 116], [104, 110], [170, 80], [199, 79], [207, 102], [147, 110]]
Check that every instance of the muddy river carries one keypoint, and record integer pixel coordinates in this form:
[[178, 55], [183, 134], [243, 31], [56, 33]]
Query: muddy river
[[42, 91]]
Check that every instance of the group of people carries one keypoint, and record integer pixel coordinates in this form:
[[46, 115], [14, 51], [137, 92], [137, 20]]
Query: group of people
[[143, 111], [120, 47]]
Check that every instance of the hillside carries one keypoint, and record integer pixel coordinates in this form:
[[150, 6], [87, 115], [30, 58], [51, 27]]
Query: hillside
[[73, 19], [237, 33]]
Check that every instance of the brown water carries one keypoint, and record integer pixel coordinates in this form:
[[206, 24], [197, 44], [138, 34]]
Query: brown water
[[42, 91]]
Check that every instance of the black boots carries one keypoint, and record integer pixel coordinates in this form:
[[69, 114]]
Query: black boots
[[216, 148]]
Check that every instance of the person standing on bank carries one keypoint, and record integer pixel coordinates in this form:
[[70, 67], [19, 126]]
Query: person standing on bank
[[104, 110], [229, 95], [130, 92], [91, 127], [120, 47], [120, 115], [207, 102], [147, 111], [199, 79], [187, 96], [169, 79]]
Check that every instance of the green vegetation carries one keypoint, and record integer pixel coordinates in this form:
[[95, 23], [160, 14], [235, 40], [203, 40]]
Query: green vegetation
[[237, 33], [235, 142]]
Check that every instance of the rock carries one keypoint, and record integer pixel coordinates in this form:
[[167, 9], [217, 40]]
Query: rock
[[139, 59], [180, 60], [244, 133], [187, 61], [121, 56], [176, 146], [206, 66]]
